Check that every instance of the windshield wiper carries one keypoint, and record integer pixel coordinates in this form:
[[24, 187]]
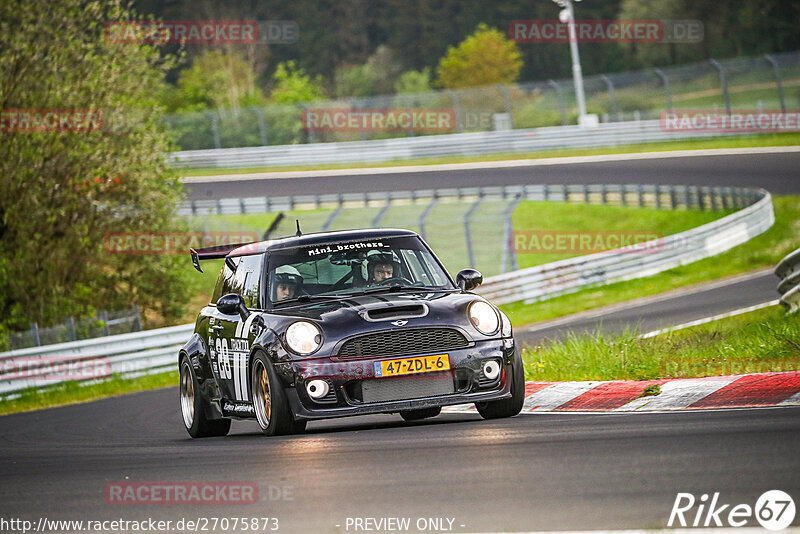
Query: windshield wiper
[[398, 287], [308, 298]]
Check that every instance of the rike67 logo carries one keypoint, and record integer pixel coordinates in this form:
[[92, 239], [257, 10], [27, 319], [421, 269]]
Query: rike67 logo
[[774, 510]]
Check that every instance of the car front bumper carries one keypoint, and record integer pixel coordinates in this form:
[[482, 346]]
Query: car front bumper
[[349, 379]]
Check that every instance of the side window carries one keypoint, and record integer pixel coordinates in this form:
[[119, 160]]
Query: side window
[[225, 280], [248, 279]]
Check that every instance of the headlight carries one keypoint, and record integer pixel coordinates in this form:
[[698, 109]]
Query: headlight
[[303, 337], [483, 317]]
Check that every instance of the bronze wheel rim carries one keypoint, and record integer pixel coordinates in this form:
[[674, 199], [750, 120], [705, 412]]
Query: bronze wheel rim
[[263, 397]]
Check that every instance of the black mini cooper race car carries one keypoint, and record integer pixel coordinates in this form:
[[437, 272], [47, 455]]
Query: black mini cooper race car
[[343, 323]]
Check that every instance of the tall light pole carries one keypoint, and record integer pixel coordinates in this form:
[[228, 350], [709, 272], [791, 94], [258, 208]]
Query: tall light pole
[[567, 16]]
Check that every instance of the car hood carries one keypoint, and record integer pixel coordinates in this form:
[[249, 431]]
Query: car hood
[[383, 311]]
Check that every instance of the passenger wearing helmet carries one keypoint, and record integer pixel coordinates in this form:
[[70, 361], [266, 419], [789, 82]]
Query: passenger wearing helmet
[[381, 266], [286, 283]]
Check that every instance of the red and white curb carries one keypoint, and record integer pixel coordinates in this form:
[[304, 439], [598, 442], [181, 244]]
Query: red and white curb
[[715, 392]]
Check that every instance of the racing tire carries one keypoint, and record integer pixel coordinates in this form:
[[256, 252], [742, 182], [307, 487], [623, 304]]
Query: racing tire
[[195, 409], [507, 407], [269, 400], [424, 413]]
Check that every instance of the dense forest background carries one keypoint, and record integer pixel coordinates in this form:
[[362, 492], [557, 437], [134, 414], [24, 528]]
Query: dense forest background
[[338, 34]]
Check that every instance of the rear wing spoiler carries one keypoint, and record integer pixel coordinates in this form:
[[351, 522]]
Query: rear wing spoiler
[[212, 253]]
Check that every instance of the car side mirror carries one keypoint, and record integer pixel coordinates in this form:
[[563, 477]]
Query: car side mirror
[[231, 304], [469, 279]]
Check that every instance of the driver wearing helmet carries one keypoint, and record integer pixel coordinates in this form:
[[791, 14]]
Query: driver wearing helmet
[[381, 266], [286, 283]]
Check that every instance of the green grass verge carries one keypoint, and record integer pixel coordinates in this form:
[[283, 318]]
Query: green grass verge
[[786, 139], [761, 341], [765, 250], [73, 392]]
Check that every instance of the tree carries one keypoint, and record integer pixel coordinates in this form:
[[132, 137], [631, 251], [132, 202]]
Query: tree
[[217, 79], [292, 84], [63, 192], [486, 57], [414, 81], [376, 76]]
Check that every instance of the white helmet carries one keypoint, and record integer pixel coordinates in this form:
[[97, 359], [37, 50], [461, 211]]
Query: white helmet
[[286, 274]]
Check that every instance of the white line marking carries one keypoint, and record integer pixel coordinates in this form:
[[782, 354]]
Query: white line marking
[[243, 375], [569, 160], [554, 396], [705, 320], [678, 394]]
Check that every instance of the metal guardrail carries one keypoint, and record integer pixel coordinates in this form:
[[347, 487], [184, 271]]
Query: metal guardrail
[[571, 275], [431, 146], [788, 270], [130, 354], [156, 350]]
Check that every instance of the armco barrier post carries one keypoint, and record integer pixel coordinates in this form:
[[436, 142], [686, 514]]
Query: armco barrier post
[[611, 95], [468, 232], [508, 246], [560, 95], [424, 216], [778, 82], [723, 82], [667, 93], [262, 125]]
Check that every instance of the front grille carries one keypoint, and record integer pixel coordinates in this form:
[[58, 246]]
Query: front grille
[[406, 387], [400, 342]]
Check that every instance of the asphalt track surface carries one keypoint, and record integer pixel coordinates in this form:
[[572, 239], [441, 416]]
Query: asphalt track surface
[[662, 311], [535, 471], [543, 471], [779, 173]]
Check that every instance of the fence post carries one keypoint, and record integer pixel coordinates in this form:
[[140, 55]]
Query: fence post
[[507, 98], [723, 82], [137, 322], [309, 133], [424, 216], [215, 128], [262, 126], [104, 318], [456, 109], [468, 232], [778, 81], [70, 323], [382, 213], [35, 334], [561, 108], [611, 94], [508, 247], [667, 92], [332, 217]]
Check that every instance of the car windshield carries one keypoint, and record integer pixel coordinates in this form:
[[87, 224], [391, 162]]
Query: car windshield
[[353, 267]]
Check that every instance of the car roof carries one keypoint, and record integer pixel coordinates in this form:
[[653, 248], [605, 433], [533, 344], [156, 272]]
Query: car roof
[[320, 238]]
